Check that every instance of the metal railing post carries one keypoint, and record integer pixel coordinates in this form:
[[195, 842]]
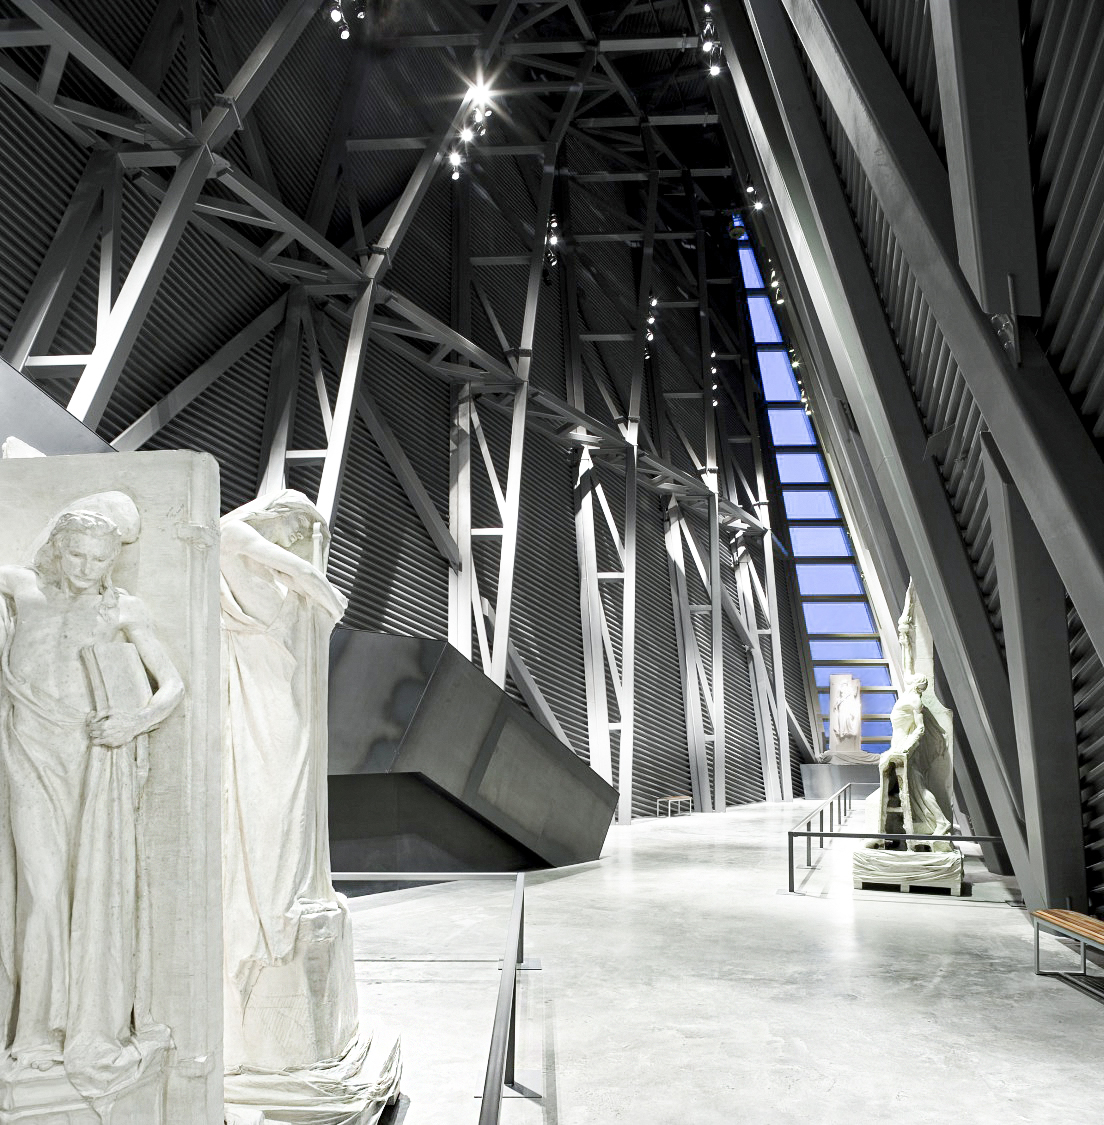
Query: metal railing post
[[789, 848], [500, 1062]]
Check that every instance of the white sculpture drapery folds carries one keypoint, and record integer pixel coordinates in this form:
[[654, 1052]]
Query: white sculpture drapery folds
[[291, 1004], [915, 776], [84, 679], [277, 613]]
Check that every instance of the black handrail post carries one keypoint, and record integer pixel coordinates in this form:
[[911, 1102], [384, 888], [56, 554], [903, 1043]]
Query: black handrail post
[[789, 844], [809, 843], [500, 1061], [821, 844]]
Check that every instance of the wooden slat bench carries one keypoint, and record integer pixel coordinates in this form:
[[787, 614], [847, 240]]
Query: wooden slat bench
[[1082, 929]]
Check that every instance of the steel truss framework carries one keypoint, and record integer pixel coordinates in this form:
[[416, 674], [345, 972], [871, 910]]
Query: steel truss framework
[[830, 131], [333, 300]]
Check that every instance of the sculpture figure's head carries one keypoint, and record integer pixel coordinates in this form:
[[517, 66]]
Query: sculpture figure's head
[[82, 549], [84, 541], [288, 519], [917, 684]]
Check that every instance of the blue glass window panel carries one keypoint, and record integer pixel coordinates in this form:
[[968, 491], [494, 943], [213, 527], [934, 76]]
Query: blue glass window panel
[[801, 468], [878, 702], [790, 427], [846, 650], [764, 328], [824, 704], [829, 541], [877, 728], [828, 578], [871, 675], [837, 617], [874, 749], [810, 505], [779, 381], [749, 267]]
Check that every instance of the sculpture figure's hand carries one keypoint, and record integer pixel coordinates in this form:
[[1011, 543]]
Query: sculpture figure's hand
[[115, 728]]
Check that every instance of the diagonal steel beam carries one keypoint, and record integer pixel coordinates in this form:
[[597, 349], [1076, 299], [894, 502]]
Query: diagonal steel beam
[[256, 72], [1048, 450], [209, 372], [59, 272], [792, 149], [65, 32], [114, 343]]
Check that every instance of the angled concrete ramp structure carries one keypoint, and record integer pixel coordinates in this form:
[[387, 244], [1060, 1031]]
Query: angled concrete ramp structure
[[433, 767]]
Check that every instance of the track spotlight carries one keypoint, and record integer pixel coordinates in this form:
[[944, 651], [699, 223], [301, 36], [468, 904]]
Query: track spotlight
[[758, 205], [343, 29], [455, 158], [335, 12], [714, 70], [466, 135]]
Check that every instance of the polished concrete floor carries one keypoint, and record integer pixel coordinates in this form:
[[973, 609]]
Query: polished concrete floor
[[681, 984]]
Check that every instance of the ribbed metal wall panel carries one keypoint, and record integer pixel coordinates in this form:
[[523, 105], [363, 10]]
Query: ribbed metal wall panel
[[661, 763], [382, 556], [39, 170], [903, 28], [943, 399], [1064, 69], [227, 421], [1088, 705]]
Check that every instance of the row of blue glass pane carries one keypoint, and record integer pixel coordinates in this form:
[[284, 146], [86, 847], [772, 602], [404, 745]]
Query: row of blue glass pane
[[828, 578], [801, 468], [828, 542], [869, 675], [790, 425], [846, 650], [873, 703], [815, 504], [764, 326], [837, 617], [779, 381]]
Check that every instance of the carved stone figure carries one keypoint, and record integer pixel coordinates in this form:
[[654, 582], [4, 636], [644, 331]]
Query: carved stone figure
[[906, 804], [84, 680], [914, 794], [291, 1001], [845, 722]]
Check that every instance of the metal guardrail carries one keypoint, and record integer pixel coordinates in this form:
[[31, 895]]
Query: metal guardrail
[[809, 836], [500, 1061]]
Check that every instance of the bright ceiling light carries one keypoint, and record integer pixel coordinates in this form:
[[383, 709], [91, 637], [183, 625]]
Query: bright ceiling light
[[479, 92], [466, 135], [758, 205], [336, 13], [454, 159], [707, 45], [714, 70]]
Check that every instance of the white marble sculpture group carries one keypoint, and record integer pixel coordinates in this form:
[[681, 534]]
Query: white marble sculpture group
[[915, 774], [109, 983]]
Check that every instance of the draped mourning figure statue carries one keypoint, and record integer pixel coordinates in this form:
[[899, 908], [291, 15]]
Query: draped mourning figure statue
[[915, 775], [290, 995], [84, 681]]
